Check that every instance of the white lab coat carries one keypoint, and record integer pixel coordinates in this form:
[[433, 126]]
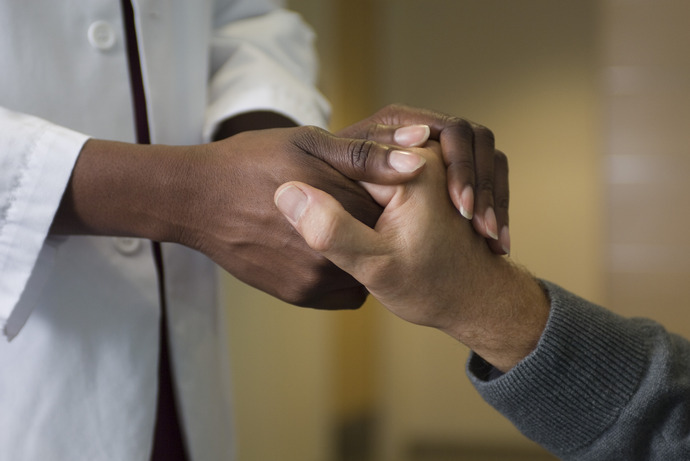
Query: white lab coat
[[78, 373]]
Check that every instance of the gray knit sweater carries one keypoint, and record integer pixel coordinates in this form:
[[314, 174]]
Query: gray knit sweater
[[597, 387]]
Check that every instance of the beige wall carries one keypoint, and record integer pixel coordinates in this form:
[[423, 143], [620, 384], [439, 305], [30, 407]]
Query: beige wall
[[528, 70], [647, 159]]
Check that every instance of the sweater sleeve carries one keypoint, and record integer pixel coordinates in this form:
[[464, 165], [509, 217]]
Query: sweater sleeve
[[598, 386], [36, 162]]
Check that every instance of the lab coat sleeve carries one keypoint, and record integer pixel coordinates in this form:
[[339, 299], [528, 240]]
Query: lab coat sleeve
[[36, 161], [263, 62]]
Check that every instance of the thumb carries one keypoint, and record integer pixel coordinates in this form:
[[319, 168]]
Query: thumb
[[325, 226], [405, 135], [360, 159]]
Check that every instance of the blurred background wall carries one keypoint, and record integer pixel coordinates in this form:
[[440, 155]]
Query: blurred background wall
[[589, 100]]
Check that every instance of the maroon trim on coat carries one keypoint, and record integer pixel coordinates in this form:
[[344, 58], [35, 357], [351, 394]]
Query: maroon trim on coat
[[168, 440]]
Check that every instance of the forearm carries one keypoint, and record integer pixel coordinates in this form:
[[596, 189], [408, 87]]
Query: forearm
[[505, 313], [122, 189]]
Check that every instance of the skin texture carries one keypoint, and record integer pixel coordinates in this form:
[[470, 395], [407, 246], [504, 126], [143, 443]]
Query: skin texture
[[425, 263], [217, 198]]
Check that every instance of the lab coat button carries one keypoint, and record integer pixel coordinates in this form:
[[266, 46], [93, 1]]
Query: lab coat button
[[101, 35], [127, 245]]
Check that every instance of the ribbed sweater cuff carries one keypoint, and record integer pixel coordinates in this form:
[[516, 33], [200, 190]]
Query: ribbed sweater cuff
[[571, 389]]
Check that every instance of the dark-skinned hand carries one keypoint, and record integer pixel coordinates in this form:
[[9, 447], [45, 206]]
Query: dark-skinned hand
[[217, 198]]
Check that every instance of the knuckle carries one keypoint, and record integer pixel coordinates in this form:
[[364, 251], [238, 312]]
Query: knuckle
[[312, 131], [394, 108], [484, 134], [323, 238], [502, 202], [501, 160], [456, 128], [308, 137], [485, 185], [374, 131], [464, 166], [460, 126], [359, 151], [394, 114]]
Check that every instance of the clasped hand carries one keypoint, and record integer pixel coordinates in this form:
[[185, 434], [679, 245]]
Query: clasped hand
[[425, 263], [217, 198], [259, 247], [422, 259]]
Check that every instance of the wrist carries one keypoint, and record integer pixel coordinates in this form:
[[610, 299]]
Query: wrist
[[507, 318], [120, 189]]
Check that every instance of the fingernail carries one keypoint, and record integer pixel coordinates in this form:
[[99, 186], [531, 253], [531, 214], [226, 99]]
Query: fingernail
[[413, 135], [467, 202], [490, 223], [405, 162], [291, 201], [505, 240]]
